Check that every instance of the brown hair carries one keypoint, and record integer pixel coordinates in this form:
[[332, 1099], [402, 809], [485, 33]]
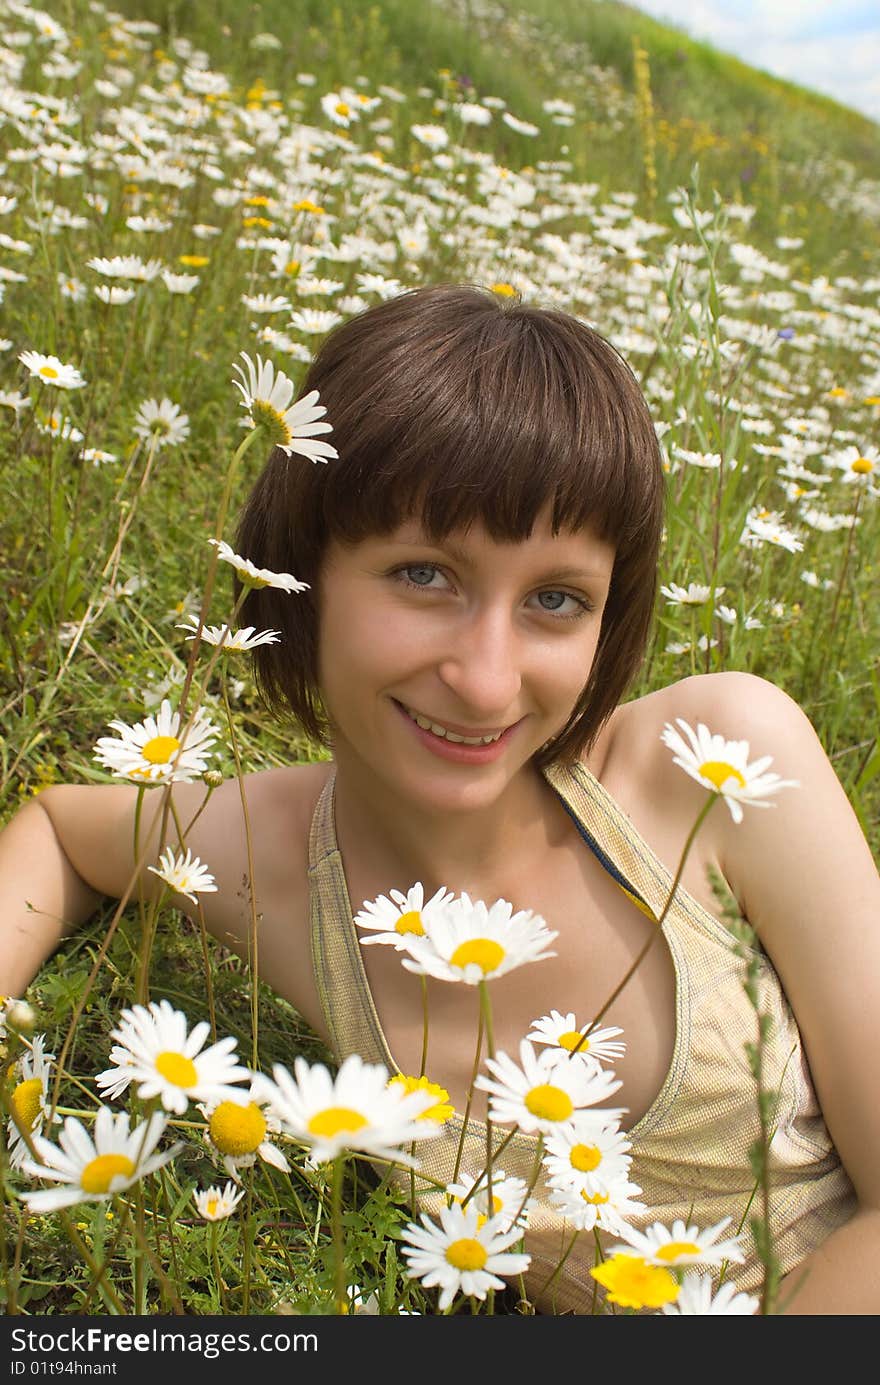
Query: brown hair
[[453, 405]]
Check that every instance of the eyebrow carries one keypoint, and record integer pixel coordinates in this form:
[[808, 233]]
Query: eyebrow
[[556, 574]]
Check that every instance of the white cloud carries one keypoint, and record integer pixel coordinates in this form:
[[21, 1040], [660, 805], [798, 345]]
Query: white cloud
[[830, 46]]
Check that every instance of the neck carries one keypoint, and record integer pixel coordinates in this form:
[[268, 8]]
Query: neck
[[398, 843]]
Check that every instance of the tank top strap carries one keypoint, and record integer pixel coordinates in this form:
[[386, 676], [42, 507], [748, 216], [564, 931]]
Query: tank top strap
[[619, 848], [344, 992]]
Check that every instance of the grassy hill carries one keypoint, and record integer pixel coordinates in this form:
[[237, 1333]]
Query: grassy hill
[[808, 164]]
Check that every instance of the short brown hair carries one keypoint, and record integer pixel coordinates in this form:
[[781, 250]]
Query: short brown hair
[[452, 405]]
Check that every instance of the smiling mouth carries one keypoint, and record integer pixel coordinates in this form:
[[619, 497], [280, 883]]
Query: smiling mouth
[[442, 733]]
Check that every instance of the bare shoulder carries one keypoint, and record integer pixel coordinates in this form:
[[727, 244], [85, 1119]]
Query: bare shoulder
[[251, 834]]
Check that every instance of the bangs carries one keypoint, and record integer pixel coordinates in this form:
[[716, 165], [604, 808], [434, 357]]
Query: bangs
[[491, 420]]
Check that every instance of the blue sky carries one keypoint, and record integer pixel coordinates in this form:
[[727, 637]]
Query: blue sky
[[831, 46]]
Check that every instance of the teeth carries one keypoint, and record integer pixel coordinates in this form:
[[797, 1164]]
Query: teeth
[[441, 731]]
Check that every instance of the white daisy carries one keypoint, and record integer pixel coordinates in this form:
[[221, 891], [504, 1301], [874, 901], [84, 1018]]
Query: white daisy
[[179, 283], [561, 1031], [266, 303], [587, 1156], [184, 874], [29, 1099], [232, 641], [469, 942], [544, 1092], [52, 371], [258, 577], [460, 1255], [694, 594], [510, 1201], [215, 1204], [114, 295], [313, 321], [157, 749], [355, 1110], [93, 1168], [522, 127], [162, 422], [238, 1133], [858, 465], [609, 1210], [681, 1245], [434, 136], [56, 425], [406, 918], [723, 767], [155, 1053], [696, 1296], [126, 267], [266, 394]]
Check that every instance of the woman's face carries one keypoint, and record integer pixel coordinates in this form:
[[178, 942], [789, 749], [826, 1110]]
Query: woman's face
[[473, 636]]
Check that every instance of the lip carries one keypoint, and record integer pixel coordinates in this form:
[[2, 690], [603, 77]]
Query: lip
[[461, 730], [455, 751]]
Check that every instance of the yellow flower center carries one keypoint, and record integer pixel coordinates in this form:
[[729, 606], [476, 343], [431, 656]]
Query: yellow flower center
[[549, 1103], [161, 750], [596, 1199], [271, 421], [97, 1175], [237, 1130], [718, 773], [410, 923], [466, 1254], [633, 1283], [341, 109], [674, 1250], [441, 1112], [211, 1206], [49, 372], [585, 1158], [504, 290], [336, 1120], [25, 1102], [177, 1069], [292, 267], [307, 205], [862, 465], [485, 952], [572, 1039], [257, 201], [838, 393], [194, 261]]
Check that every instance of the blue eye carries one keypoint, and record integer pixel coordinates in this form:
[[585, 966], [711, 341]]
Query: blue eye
[[419, 570]]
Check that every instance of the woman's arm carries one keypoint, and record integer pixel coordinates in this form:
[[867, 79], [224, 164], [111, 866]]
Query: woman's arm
[[806, 881]]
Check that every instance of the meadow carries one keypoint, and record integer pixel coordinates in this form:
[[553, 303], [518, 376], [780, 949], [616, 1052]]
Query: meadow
[[177, 188]]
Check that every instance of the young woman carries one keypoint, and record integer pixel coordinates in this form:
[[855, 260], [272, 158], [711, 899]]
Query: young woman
[[482, 567]]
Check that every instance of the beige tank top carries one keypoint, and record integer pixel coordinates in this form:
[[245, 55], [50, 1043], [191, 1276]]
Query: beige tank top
[[690, 1149]]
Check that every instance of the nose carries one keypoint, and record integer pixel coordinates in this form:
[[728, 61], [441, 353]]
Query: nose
[[482, 667]]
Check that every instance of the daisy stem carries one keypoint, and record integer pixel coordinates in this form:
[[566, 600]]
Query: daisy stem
[[486, 1021], [249, 1233], [203, 931], [470, 1097], [215, 1261], [557, 1269], [424, 1059], [339, 1293], [252, 894], [841, 583], [212, 566], [655, 932]]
